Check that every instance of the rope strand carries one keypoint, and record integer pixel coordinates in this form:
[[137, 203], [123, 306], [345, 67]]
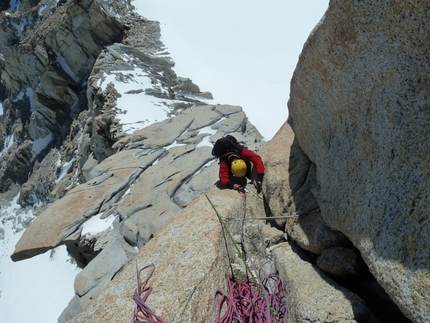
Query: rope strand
[[252, 301], [143, 313]]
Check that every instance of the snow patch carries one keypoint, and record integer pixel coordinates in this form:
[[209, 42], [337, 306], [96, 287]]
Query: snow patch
[[40, 144], [174, 144], [64, 169], [9, 141], [41, 9], [205, 141], [29, 93], [13, 5], [46, 280], [96, 225], [66, 68], [19, 27], [137, 109]]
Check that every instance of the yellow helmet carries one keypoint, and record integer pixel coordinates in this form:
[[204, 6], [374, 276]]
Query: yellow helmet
[[238, 167]]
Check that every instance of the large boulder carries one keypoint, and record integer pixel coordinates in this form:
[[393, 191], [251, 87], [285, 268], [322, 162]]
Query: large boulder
[[359, 109]]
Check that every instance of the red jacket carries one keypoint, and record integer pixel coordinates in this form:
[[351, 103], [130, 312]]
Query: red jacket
[[248, 156]]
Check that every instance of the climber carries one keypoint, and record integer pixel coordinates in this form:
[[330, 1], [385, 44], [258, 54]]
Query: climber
[[237, 163]]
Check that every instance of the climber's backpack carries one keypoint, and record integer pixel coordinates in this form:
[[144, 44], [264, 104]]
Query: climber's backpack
[[226, 144]]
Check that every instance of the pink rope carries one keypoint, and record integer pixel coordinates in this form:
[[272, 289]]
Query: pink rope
[[246, 304], [142, 313]]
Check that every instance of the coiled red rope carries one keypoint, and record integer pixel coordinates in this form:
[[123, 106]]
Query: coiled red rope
[[260, 299], [142, 313], [246, 304]]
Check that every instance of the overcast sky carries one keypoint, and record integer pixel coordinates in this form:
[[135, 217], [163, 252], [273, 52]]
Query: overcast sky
[[244, 52]]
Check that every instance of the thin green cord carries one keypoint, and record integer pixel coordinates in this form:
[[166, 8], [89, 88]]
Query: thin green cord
[[242, 257]]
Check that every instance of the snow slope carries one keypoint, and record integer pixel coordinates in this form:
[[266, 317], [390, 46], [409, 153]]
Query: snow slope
[[38, 288]]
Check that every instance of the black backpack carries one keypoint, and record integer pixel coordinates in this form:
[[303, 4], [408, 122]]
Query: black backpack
[[225, 145]]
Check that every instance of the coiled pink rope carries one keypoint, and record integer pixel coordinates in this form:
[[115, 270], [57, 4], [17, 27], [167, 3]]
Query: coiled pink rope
[[246, 304], [142, 313]]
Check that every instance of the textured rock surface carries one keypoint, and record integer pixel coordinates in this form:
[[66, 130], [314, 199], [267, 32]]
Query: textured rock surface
[[99, 272], [359, 107], [311, 233], [189, 268], [288, 178], [60, 223], [340, 262], [56, 79], [57, 94], [320, 301]]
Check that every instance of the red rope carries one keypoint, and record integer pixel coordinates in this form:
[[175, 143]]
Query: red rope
[[142, 313], [246, 304]]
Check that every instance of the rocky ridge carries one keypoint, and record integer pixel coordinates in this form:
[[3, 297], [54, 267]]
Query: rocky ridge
[[65, 141], [135, 175]]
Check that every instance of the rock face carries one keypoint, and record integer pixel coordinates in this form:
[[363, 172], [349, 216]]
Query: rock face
[[359, 108], [347, 175], [288, 180], [189, 268], [55, 77], [65, 82], [321, 301], [43, 71]]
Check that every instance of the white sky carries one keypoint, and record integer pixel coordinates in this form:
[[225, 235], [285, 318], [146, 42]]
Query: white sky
[[242, 52]]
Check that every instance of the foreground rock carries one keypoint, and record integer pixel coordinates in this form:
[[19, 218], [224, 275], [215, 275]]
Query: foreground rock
[[359, 110], [321, 301], [190, 265], [189, 268]]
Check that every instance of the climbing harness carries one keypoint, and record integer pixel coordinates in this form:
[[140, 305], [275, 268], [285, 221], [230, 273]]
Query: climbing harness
[[142, 313]]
